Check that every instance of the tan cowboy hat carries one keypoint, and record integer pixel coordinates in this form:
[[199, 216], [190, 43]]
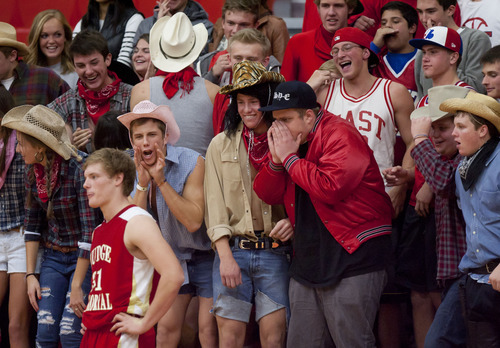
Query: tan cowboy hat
[[436, 96], [43, 124], [8, 38], [174, 42], [477, 104], [146, 109], [249, 73]]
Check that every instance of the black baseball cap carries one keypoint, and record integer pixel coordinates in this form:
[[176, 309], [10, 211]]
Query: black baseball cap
[[292, 95]]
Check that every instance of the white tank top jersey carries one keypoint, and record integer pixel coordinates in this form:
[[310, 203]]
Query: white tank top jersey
[[372, 114]]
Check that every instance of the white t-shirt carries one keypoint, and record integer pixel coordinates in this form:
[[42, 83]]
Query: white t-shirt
[[483, 15], [8, 82]]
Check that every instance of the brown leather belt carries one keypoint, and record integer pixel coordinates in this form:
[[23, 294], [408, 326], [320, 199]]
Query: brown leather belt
[[63, 249], [261, 243]]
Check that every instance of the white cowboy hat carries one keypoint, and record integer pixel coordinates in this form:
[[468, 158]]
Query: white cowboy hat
[[174, 42], [436, 96], [146, 109], [8, 38]]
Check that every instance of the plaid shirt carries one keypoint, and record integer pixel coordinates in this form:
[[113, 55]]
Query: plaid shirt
[[73, 110], [73, 220], [12, 196], [35, 85], [439, 173]]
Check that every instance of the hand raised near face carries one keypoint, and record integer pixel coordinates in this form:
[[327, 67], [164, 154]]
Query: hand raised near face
[[143, 176], [283, 141], [156, 170]]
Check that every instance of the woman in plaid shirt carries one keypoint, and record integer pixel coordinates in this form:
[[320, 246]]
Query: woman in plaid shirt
[[58, 217], [12, 249]]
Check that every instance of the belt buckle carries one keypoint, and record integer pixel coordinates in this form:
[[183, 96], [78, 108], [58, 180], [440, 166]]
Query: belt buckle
[[240, 244], [488, 268]]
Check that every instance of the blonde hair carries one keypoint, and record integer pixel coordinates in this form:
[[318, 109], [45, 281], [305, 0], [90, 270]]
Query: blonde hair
[[35, 55], [329, 65], [251, 36]]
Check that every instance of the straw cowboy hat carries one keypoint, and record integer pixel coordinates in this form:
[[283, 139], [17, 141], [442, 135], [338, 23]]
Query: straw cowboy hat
[[437, 95], [146, 109], [477, 104], [175, 43], [248, 73], [8, 38], [43, 124]]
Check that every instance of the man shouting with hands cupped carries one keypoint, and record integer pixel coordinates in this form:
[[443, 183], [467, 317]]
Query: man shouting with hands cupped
[[170, 187]]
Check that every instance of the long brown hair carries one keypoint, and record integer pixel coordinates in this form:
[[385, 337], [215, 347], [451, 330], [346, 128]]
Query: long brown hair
[[6, 103]]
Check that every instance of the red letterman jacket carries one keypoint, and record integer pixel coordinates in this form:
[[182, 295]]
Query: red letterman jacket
[[342, 178]]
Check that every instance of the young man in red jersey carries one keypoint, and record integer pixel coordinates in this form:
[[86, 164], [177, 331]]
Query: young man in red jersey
[[126, 250]]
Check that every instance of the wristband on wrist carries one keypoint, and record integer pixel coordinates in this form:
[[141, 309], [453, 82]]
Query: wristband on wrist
[[29, 274], [140, 188], [420, 136], [164, 181]]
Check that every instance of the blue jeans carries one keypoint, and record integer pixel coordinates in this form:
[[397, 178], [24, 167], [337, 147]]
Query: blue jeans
[[448, 327], [265, 280], [56, 321], [200, 274]]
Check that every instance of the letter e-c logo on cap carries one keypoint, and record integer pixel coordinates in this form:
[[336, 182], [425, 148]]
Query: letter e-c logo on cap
[[279, 96]]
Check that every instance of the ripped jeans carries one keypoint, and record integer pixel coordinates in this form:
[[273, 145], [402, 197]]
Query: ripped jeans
[[56, 321]]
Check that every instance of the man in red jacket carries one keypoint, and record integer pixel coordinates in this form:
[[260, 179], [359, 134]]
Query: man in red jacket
[[326, 175]]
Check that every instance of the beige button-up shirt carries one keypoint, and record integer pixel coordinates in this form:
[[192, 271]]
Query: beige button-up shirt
[[231, 206]]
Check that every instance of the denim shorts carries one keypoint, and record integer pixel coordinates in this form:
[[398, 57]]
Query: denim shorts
[[12, 252], [265, 280], [200, 274]]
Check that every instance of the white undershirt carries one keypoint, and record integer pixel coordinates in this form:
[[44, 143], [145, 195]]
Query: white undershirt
[[8, 82]]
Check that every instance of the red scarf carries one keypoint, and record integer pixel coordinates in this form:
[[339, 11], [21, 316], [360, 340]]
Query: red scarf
[[98, 102], [323, 43], [257, 147], [41, 178], [171, 82]]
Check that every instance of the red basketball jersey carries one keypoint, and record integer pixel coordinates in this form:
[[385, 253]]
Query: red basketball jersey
[[406, 77], [120, 281]]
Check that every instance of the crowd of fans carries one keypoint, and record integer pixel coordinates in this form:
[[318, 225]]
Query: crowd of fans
[[166, 181]]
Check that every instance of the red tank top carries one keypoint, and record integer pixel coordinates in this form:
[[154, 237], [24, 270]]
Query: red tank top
[[120, 281]]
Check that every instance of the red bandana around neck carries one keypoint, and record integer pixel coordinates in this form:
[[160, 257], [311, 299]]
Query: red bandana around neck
[[171, 83], [257, 147], [41, 178], [98, 102]]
